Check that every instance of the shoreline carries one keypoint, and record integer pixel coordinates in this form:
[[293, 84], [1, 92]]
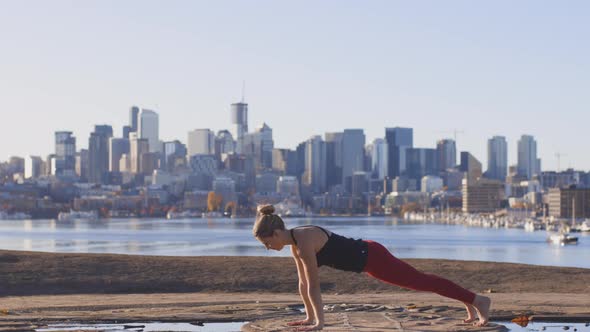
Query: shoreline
[[43, 288]]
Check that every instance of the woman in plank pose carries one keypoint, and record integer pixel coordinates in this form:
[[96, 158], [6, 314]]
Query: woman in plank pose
[[314, 246]]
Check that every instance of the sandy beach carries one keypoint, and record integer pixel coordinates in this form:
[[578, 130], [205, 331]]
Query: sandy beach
[[43, 288]]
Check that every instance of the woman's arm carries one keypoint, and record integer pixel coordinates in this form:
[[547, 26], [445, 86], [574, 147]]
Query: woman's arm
[[302, 291], [307, 254]]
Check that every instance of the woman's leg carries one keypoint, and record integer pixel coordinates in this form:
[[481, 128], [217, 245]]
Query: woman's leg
[[382, 265]]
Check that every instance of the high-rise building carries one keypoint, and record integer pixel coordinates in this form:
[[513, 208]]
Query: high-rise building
[[398, 141], [137, 147], [497, 158], [259, 144], [446, 151], [353, 152], [379, 159], [148, 128], [65, 154], [314, 176], [420, 162], [117, 147], [98, 153], [200, 141], [528, 164], [431, 183], [224, 144], [174, 155], [334, 158], [239, 121], [226, 187], [82, 164], [33, 167], [133, 118], [471, 166], [284, 161]]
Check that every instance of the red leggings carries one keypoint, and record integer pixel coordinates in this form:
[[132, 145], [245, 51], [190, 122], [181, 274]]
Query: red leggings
[[381, 264]]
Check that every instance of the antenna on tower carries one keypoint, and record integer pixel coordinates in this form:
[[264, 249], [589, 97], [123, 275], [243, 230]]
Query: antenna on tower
[[243, 90]]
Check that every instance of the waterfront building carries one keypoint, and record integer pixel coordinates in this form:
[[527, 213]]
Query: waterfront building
[[528, 163], [288, 186], [564, 201], [552, 179], [398, 141], [201, 141], [148, 128], [431, 183], [497, 158], [446, 154], [481, 195]]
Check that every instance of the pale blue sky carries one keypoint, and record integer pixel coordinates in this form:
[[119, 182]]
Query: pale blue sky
[[484, 67]]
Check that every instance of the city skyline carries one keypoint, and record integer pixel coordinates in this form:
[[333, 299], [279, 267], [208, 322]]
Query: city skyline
[[482, 69]]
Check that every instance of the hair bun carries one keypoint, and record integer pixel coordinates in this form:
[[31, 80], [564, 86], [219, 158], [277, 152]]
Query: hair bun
[[266, 209]]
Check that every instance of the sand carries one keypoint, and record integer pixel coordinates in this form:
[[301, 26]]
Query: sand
[[42, 288]]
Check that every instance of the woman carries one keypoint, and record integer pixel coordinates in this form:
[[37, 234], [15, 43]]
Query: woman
[[313, 246]]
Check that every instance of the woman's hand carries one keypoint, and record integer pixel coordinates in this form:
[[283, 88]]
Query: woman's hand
[[307, 321], [316, 327]]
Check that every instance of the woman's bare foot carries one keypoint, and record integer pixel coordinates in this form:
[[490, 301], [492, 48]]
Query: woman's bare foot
[[471, 313], [482, 305]]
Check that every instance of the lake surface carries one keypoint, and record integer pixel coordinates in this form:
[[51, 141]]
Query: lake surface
[[233, 237]]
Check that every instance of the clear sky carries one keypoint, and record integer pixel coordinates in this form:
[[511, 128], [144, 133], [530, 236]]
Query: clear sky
[[481, 67]]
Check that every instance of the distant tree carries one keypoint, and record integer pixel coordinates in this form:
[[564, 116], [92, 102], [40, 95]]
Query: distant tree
[[214, 201]]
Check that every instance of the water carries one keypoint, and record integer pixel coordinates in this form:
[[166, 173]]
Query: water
[[146, 327], [233, 237], [546, 326]]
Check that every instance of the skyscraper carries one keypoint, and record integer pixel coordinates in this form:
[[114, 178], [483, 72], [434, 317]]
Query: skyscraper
[[353, 152], [201, 141], [398, 141], [497, 158], [446, 152], [259, 145], [315, 164], [98, 153], [334, 158], [239, 120], [133, 118], [117, 148], [148, 128], [420, 162], [137, 148], [528, 164], [65, 154], [379, 159], [471, 166]]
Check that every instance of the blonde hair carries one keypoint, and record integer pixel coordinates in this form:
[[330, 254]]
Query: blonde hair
[[267, 222]]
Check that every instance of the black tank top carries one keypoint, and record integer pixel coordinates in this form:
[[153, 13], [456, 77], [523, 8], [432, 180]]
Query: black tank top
[[341, 253]]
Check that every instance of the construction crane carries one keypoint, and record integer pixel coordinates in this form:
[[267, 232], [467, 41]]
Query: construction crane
[[559, 155]]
